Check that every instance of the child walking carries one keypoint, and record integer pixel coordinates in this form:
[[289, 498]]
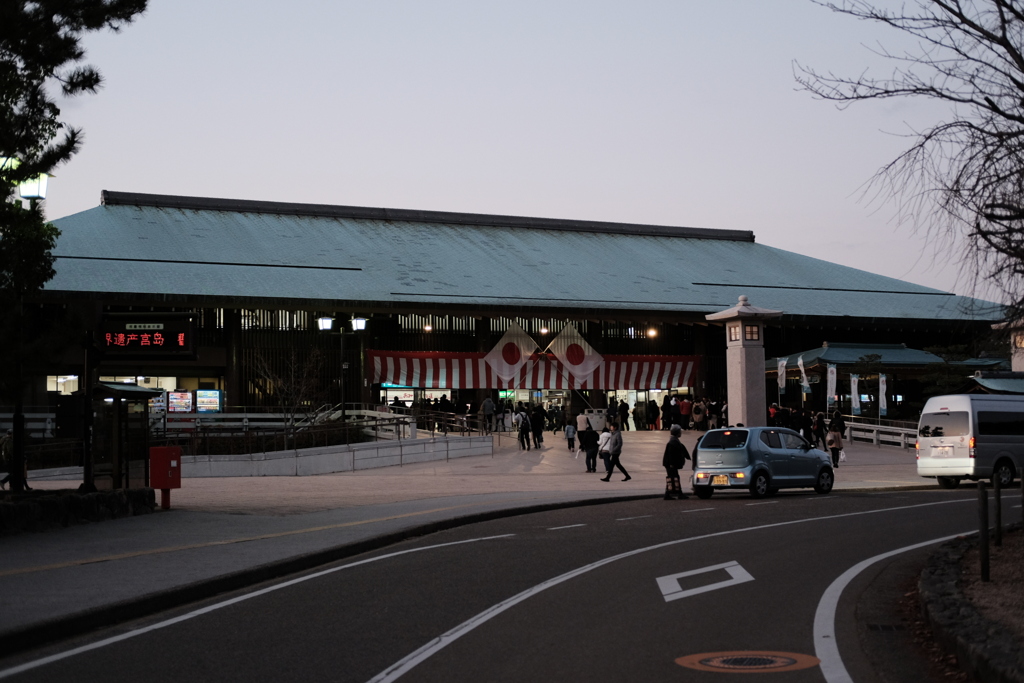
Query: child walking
[[570, 436]]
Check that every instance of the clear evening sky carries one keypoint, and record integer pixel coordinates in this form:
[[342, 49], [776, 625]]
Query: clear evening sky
[[681, 112]]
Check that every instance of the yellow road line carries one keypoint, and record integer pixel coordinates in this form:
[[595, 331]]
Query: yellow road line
[[172, 549]]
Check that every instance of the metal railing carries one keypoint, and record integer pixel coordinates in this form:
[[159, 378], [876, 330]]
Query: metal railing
[[880, 434]]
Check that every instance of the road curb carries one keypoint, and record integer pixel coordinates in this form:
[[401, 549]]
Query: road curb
[[47, 632], [983, 648]]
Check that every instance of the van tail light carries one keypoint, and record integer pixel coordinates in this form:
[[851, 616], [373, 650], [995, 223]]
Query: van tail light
[[972, 447], [917, 450]]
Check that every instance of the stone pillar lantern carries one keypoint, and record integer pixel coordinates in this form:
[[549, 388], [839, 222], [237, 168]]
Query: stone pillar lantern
[[744, 360]]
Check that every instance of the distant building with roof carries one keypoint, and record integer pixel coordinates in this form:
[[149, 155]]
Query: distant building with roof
[[253, 277], [909, 373]]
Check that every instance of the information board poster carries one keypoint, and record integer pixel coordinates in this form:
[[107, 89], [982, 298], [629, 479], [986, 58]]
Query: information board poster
[[208, 401], [158, 404], [179, 401]]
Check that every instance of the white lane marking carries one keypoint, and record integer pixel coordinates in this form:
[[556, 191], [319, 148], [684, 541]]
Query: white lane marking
[[570, 526], [697, 510], [825, 646], [672, 590], [423, 653], [765, 502], [623, 519], [210, 608]]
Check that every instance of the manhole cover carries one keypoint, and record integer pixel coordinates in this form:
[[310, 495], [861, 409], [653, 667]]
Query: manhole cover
[[748, 662]]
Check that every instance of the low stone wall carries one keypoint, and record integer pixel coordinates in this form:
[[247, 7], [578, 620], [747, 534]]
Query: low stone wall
[[983, 648], [38, 511], [330, 459]]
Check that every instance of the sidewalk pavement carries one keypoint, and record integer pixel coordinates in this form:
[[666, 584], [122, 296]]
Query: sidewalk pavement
[[226, 533]]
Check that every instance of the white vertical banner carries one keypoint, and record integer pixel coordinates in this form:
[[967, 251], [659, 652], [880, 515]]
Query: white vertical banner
[[782, 375], [854, 394], [830, 385], [882, 407], [805, 386]]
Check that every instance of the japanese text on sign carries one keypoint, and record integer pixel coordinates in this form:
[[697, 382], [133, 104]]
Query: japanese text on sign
[[129, 339]]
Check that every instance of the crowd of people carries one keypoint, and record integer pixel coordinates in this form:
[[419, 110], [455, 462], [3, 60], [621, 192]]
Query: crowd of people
[[820, 431]]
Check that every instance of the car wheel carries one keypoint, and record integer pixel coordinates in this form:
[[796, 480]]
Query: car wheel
[[759, 485], [948, 482], [1003, 471], [703, 492], [825, 480]]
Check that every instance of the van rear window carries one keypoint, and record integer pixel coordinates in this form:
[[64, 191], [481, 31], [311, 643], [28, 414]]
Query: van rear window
[[730, 438], [945, 424], [992, 423]]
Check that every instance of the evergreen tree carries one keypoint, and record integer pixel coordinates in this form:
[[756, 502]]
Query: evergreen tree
[[40, 53]]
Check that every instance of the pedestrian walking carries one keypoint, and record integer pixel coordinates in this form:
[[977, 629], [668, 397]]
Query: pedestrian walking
[[834, 441], [602, 450], [582, 422], [488, 410], [570, 436], [538, 420], [589, 445], [6, 447], [623, 415], [818, 430], [522, 421], [614, 451], [674, 460]]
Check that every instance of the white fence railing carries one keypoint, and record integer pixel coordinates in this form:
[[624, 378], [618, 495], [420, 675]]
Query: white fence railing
[[881, 435]]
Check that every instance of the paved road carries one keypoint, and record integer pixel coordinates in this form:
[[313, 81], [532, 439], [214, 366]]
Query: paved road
[[624, 591]]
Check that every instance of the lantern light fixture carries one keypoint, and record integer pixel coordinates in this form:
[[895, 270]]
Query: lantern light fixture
[[324, 323]]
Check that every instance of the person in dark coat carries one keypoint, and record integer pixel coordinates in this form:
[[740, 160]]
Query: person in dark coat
[[623, 416], [588, 443], [674, 460], [537, 420], [666, 412]]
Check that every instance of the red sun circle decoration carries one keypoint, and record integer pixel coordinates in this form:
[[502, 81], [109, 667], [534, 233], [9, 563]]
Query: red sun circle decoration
[[575, 354], [510, 353]]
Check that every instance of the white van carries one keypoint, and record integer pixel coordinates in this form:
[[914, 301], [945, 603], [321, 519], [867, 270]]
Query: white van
[[971, 436]]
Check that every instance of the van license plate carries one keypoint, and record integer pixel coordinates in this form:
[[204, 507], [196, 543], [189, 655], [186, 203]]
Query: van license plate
[[942, 451], [720, 480]]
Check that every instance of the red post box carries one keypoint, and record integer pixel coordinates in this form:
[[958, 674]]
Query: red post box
[[165, 471]]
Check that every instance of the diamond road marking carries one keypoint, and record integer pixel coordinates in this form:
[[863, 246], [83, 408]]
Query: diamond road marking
[[672, 590]]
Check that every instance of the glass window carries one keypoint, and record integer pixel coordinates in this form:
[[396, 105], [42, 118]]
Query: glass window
[[993, 423], [734, 332], [793, 440], [753, 332], [771, 439], [945, 424], [729, 438]]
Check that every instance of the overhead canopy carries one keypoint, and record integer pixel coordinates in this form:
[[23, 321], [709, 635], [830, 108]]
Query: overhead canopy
[[848, 354], [191, 249]]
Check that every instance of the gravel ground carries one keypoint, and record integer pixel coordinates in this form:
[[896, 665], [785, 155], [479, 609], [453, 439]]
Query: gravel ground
[[1002, 598]]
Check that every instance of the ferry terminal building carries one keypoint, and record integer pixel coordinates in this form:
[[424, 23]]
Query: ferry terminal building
[[232, 290]]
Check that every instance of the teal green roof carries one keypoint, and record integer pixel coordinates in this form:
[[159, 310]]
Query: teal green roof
[[848, 354], [309, 255]]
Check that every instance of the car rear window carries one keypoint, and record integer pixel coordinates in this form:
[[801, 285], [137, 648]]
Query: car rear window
[[953, 423], [729, 438]]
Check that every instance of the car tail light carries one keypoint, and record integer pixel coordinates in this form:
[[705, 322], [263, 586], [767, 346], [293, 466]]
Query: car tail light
[[739, 475], [971, 444], [702, 475]]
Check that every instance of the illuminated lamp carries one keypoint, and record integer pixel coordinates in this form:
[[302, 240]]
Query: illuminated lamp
[[543, 330], [358, 324], [34, 188], [652, 332], [324, 324]]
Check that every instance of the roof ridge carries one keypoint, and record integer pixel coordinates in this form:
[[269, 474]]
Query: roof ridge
[[112, 198]]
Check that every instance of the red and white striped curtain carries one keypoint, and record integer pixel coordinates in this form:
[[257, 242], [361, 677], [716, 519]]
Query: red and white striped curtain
[[430, 370]]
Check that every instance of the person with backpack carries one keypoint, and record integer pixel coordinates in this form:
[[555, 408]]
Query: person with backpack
[[614, 451], [674, 460]]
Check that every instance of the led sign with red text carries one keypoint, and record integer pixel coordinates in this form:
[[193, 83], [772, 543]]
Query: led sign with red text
[[151, 338]]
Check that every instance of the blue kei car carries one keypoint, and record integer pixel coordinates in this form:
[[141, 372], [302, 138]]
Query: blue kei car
[[761, 460]]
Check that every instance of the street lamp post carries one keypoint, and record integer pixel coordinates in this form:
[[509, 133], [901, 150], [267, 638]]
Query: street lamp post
[[358, 324]]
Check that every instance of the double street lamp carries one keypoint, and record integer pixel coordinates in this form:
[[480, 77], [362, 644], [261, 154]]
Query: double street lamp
[[358, 324]]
